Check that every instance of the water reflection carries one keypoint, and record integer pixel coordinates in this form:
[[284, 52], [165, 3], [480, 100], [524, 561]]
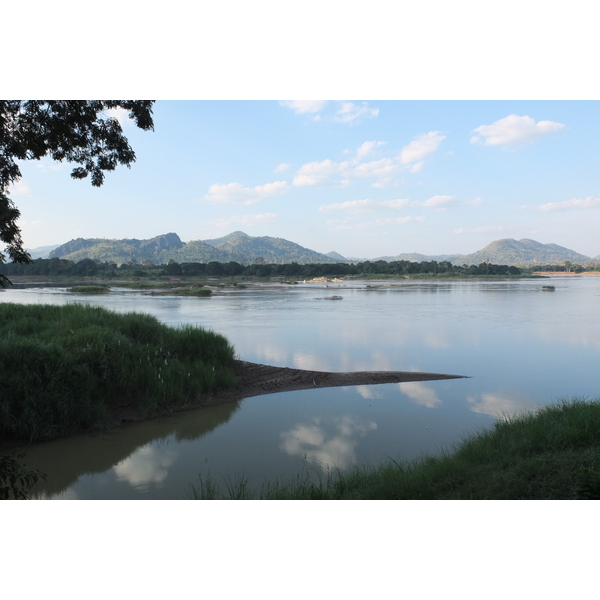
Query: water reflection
[[147, 465], [521, 347], [420, 393], [140, 453], [500, 405], [329, 444]]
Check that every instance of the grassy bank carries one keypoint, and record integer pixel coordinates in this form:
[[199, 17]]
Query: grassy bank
[[68, 368], [551, 454]]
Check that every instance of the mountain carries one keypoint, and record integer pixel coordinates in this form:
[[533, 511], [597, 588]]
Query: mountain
[[245, 249], [416, 257], [236, 246], [240, 247], [521, 253], [119, 251], [41, 251]]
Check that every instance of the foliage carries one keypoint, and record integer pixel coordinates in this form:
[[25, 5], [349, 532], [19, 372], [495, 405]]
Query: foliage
[[77, 131], [68, 368], [16, 479], [67, 268]]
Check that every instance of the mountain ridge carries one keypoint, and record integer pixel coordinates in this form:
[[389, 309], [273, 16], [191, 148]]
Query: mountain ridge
[[245, 249]]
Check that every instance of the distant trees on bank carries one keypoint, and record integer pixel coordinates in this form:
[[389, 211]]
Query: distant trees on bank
[[58, 267]]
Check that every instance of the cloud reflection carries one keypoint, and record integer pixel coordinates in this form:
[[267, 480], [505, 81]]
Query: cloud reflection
[[329, 445], [419, 393], [367, 392], [500, 405], [147, 465]]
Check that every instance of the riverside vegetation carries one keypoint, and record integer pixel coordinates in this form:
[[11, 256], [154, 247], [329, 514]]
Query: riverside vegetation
[[553, 454], [74, 367]]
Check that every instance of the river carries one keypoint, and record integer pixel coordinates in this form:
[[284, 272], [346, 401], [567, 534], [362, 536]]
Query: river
[[521, 344]]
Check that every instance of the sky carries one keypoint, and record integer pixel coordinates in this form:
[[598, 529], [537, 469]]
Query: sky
[[362, 178]]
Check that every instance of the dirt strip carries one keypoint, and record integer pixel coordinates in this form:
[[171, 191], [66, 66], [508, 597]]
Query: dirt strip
[[256, 379]]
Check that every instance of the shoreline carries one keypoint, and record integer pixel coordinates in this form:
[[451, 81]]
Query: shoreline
[[256, 380]]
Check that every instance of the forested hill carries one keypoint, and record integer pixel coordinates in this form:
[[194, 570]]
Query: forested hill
[[237, 246], [522, 252], [244, 249]]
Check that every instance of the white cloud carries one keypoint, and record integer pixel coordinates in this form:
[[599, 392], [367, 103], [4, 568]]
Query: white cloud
[[421, 147], [398, 220], [367, 148], [20, 188], [282, 167], [346, 112], [382, 170], [588, 202], [354, 206], [399, 203], [514, 131], [490, 229], [440, 202], [367, 205], [301, 107], [247, 220], [317, 173], [121, 115], [237, 194], [350, 112]]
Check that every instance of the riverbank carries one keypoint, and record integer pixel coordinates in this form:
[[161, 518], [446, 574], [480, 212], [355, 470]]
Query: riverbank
[[552, 454], [73, 368]]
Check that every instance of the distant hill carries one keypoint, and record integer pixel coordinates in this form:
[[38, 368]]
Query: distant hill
[[416, 257], [245, 249], [236, 246], [41, 251], [521, 253], [119, 251]]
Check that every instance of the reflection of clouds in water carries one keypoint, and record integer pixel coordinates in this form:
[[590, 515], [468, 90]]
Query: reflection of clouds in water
[[327, 450], [147, 465], [573, 337], [419, 393], [272, 354], [500, 405], [367, 392], [68, 494], [434, 338], [309, 362]]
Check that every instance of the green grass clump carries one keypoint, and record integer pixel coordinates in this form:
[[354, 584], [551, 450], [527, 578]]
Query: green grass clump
[[68, 368], [551, 454]]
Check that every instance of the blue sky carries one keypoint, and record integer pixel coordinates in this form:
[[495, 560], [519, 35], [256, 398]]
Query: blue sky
[[363, 178]]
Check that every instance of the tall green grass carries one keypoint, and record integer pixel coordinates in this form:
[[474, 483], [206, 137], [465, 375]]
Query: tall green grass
[[553, 453], [67, 368]]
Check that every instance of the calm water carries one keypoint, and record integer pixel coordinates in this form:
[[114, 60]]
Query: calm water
[[522, 347]]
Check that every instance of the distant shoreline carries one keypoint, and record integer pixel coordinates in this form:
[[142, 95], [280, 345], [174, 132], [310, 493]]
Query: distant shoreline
[[565, 274]]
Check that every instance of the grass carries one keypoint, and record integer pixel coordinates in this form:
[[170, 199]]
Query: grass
[[69, 368], [548, 455]]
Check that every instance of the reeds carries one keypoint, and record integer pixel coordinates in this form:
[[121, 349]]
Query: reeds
[[67, 368]]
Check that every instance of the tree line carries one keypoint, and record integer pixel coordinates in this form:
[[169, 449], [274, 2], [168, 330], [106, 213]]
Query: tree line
[[87, 267]]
